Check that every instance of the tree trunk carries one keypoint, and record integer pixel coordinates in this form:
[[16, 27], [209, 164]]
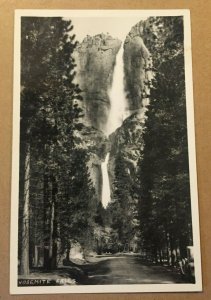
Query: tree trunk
[[68, 253], [24, 262], [36, 256], [160, 256], [173, 251], [168, 255], [45, 221], [53, 227], [155, 254], [51, 231]]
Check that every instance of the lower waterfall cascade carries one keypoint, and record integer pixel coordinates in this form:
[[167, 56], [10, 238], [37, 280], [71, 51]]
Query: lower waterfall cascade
[[105, 182]]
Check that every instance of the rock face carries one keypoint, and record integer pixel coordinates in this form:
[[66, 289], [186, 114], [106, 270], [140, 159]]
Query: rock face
[[137, 67], [127, 143], [95, 59], [97, 145]]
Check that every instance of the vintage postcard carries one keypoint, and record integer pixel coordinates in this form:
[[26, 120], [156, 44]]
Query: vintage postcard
[[104, 189]]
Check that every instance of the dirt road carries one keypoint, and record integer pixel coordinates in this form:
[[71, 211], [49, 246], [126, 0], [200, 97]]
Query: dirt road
[[127, 269]]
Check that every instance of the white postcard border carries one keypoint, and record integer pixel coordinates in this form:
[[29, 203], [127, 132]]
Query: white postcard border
[[14, 289]]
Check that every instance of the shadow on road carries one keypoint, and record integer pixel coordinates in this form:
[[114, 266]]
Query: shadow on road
[[127, 269]]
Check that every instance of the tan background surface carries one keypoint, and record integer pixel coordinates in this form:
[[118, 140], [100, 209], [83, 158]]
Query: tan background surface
[[201, 48]]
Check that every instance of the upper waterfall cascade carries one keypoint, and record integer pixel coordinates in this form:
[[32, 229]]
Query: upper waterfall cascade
[[118, 101]]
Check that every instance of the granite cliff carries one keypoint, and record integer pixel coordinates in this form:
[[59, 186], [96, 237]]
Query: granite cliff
[[95, 59], [126, 144]]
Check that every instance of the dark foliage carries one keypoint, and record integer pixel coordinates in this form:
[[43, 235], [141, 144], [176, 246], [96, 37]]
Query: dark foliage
[[164, 206]]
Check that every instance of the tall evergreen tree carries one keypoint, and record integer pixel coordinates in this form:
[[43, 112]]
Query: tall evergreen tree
[[164, 170], [49, 114], [123, 216]]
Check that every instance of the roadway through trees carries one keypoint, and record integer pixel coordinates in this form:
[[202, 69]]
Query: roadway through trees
[[128, 269]]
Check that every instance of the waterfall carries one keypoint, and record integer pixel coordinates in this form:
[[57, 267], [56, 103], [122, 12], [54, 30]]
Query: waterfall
[[117, 114], [105, 182], [117, 96]]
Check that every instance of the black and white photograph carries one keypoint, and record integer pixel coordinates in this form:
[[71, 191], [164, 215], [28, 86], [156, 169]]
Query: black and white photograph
[[104, 182]]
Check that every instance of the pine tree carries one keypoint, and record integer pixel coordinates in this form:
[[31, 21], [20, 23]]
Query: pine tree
[[77, 203], [164, 172], [123, 205], [49, 114]]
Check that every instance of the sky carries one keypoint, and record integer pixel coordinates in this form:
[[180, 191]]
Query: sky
[[116, 27]]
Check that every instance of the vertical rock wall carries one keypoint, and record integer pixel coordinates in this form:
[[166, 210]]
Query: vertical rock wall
[[137, 67], [95, 58]]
